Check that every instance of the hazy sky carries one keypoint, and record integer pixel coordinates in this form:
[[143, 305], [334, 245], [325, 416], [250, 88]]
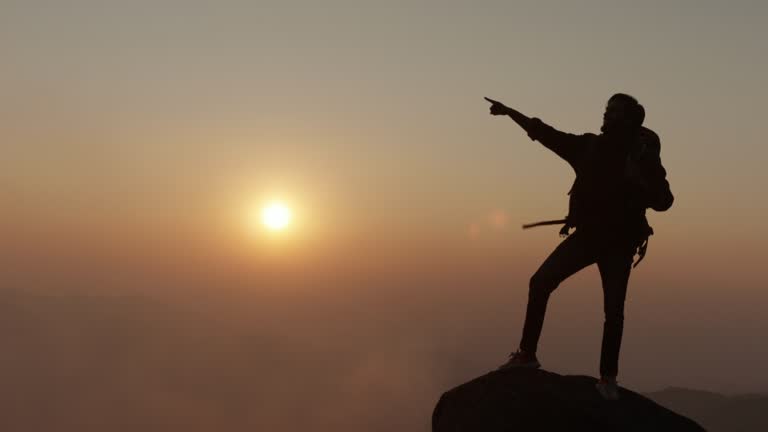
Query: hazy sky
[[138, 138]]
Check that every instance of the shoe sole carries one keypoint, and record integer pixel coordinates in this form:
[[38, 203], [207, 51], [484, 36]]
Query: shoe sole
[[605, 395]]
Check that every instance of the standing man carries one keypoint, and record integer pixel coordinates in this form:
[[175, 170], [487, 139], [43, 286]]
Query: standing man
[[618, 176]]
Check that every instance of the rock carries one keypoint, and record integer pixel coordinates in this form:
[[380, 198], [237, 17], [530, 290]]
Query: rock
[[537, 400]]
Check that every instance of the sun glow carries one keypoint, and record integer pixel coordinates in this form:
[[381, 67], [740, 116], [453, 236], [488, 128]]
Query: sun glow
[[276, 216]]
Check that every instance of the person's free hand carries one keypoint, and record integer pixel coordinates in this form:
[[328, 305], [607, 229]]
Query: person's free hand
[[497, 108]]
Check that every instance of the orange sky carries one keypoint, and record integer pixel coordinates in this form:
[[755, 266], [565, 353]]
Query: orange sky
[[136, 140]]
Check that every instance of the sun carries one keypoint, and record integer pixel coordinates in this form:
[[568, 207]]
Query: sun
[[276, 216]]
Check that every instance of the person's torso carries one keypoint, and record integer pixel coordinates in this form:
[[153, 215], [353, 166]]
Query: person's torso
[[598, 198]]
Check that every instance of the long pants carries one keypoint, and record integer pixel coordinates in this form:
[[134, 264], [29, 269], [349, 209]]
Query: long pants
[[613, 256]]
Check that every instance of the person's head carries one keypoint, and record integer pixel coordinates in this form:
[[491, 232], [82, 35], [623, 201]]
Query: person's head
[[623, 113]]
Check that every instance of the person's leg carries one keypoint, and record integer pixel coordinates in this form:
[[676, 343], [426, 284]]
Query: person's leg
[[570, 256], [615, 267]]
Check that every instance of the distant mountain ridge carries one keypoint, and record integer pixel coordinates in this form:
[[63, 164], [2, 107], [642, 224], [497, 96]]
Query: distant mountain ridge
[[717, 412]]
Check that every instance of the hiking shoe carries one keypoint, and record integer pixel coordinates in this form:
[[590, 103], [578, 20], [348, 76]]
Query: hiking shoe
[[521, 359], [608, 388]]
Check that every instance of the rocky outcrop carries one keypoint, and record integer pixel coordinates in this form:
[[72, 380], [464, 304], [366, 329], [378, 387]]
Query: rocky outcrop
[[537, 400]]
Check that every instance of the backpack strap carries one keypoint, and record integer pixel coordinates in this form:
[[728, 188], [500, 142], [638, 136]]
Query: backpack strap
[[643, 248]]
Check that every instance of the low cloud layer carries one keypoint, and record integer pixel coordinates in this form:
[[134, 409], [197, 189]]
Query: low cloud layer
[[360, 352]]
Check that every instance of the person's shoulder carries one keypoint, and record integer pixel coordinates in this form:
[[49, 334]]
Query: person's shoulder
[[588, 138]]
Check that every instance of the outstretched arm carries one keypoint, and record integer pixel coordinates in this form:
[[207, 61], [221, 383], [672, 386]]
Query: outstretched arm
[[567, 146]]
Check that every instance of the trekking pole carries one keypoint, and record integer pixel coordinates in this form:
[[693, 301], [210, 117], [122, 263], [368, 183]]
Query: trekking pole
[[542, 223]]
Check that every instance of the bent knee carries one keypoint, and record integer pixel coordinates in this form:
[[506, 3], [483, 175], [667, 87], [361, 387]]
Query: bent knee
[[541, 284]]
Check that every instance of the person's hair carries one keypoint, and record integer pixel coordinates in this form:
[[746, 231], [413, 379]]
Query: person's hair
[[634, 111]]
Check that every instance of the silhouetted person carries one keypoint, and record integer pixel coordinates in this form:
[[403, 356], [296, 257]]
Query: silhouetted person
[[618, 176]]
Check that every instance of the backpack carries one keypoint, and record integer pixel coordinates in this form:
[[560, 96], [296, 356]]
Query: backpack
[[643, 168]]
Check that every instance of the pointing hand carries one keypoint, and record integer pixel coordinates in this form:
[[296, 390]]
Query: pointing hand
[[497, 108]]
